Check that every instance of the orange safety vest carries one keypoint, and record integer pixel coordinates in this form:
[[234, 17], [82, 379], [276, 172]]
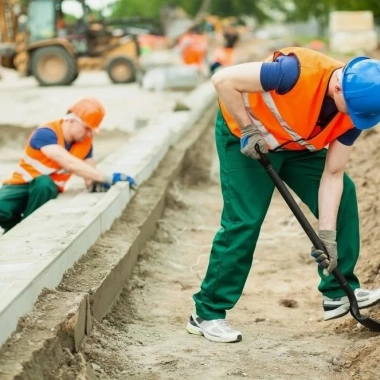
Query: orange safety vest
[[290, 121], [223, 55], [34, 163], [194, 48]]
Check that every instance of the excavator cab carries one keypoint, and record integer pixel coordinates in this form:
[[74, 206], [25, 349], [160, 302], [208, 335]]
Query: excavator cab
[[66, 19], [63, 37]]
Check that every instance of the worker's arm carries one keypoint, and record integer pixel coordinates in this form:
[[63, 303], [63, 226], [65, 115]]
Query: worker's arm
[[331, 186], [329, 198], [73, 164], [91, 161], [231, 82]]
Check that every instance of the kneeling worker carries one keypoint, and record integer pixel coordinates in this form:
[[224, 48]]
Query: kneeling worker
[[53, 152]]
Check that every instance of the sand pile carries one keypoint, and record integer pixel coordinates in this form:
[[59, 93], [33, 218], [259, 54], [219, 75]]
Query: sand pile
[[364, 168]]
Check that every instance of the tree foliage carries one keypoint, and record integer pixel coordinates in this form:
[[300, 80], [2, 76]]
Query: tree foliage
[[320, 9], [223, 8], [262, 10]]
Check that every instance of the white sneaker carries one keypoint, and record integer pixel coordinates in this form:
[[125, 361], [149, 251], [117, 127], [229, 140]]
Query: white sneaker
[[216, 330], [338, 307]]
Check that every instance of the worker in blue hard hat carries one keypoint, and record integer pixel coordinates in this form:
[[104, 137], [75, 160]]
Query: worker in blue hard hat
[[294, 105], [360, 81]]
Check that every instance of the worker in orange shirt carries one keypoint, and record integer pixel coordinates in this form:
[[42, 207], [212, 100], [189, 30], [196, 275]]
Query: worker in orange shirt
[[193, 45], [53, 152], [225, 55]]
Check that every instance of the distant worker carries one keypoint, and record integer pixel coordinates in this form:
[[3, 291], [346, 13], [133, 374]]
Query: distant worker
[[61, 24], [225, 55], [53, 152], [292, 106], [193, 45]]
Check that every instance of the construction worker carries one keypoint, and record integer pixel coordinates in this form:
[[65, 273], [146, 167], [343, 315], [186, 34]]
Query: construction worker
[[53, 152], [292, 106], [225, 55], [193, 45]]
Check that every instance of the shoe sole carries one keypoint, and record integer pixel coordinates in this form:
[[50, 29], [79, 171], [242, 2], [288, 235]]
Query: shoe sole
[[368, 303], [341, 313], [361, 305], [195, 330]]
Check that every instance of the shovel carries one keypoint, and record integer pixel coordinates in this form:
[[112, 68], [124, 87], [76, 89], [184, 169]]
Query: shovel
[[368, 322]]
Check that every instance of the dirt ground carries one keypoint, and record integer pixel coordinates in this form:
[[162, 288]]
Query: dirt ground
[[280, 314]]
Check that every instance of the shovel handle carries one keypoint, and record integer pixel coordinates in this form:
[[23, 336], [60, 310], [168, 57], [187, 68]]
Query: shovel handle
[[309, 230]]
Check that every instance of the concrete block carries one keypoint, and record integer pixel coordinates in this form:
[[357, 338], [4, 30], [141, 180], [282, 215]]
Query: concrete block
[[65, 328], [351, 21], [105, 295], [179, 77], [111, 206], [75, 323], [360, 42]]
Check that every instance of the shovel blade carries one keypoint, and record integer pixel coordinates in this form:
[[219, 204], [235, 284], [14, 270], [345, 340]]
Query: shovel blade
[[368, 322]]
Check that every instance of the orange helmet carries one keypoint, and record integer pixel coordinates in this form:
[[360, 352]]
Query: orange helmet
[[89, 110]]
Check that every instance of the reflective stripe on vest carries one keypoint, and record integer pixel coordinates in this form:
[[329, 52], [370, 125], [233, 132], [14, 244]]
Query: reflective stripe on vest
[[23, 173], [42, 169], [269, 138]]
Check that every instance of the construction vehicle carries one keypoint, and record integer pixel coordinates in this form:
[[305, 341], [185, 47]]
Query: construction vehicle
[[54, 40], [8, 22]]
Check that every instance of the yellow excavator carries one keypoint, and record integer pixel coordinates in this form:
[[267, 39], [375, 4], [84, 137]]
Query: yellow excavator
[[54, 40], [8, 30]]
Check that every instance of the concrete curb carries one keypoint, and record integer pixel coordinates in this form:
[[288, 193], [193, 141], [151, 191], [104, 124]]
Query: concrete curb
[[65, 329], [37, 252], [80, 305]]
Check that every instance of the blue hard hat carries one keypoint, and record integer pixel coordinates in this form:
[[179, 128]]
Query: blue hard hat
[[361, 91]]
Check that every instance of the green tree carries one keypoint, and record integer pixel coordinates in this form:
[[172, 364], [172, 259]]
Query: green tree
[[320, 9], [305, 9], [223, 8]]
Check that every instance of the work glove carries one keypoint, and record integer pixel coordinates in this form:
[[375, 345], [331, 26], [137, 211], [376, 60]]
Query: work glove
[[120, 177], [100, 187], [250, 137], [328, 238]]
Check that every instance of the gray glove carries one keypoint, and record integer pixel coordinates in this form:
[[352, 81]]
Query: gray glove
[[328, 238], [101, 187], [250, 136]]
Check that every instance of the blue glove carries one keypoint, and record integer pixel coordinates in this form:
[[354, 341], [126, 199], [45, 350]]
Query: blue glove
[[101, 187], [120, 177]]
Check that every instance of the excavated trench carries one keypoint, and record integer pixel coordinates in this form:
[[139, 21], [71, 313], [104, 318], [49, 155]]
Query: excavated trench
[[284, 337]]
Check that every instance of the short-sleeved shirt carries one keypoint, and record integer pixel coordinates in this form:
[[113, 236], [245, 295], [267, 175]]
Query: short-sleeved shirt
[[282, 75], [46, 136]]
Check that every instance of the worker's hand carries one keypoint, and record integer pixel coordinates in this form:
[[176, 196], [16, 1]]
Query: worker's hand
[[100, 187], [120, 177], [328, 238], [250, 137]]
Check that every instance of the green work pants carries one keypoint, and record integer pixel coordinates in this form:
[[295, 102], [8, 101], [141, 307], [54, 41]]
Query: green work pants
[[19, 201], [247, 191]]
